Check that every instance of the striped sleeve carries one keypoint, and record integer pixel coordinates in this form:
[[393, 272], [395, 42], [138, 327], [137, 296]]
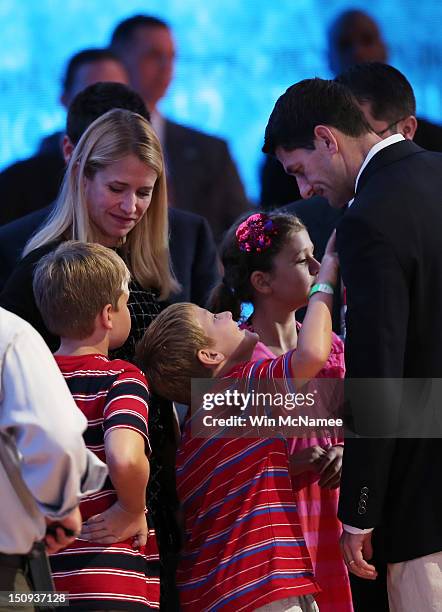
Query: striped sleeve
[[127, 404], [278, 368]]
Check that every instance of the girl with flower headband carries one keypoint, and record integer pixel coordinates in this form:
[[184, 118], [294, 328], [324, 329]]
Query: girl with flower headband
[[268, 261]]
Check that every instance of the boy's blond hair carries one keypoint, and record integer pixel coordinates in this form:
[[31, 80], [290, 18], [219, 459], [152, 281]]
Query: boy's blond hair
[[168, 352], [73, 284]]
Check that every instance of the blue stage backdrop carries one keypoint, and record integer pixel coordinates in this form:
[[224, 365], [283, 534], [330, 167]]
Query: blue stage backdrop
[[235, 57]]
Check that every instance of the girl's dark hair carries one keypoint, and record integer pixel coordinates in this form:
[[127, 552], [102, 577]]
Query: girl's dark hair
[[235, 287]]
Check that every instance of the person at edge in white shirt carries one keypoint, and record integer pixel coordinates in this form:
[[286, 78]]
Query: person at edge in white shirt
[[41, 435]]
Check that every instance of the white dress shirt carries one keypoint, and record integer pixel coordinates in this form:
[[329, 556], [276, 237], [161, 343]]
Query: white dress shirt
[[42, 429]]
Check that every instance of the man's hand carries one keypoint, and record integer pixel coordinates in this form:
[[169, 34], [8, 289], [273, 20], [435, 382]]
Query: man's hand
[[330, 468], [116, 524], [56, 537], [306, 460], [356, 549]]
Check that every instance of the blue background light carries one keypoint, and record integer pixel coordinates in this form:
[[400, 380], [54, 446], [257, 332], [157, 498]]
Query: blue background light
[[234, 59]]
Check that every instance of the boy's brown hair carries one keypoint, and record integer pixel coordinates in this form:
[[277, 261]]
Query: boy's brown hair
[[168, 352], [73, 283]]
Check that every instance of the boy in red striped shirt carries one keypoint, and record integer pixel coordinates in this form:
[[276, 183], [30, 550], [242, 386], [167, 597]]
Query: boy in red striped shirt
[[243, 544], [81, 290]]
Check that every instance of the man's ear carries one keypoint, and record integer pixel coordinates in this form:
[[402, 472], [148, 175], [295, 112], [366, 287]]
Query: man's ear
[[210, 357], [67, 147], [260, 281], [407, 127], [324, 138]]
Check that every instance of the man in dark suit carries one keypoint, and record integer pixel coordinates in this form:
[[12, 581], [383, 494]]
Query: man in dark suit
[[202, 177], [30, 184], [387, 100], [192, 247], [389, 246]]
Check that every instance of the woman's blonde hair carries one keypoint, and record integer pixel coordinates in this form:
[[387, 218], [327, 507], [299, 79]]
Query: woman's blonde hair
[[109, 138]]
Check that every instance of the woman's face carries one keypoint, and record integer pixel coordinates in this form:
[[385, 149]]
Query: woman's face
[[117, 197]]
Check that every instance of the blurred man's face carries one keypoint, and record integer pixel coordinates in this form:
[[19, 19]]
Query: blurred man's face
[[356, 40], [100, 71], [149, 59], [383, 128]]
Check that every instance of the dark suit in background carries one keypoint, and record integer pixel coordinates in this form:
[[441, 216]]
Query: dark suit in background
[[389, 244], [192, 249], [277, 187], [202, 177], [29, 184]]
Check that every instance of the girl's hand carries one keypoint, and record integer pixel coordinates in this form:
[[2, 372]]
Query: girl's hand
[[306, 460], [330, 468], [328, 272], [116, 524]]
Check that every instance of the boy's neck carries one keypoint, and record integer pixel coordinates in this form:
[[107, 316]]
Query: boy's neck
[[241, 357], [86, 346], [276, 327]]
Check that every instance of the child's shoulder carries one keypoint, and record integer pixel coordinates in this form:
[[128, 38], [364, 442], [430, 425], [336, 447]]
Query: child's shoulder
[[97, 363], [126, 368], [267, 367]]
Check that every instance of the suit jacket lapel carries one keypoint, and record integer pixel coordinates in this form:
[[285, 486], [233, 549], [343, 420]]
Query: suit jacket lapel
[[387, 156]]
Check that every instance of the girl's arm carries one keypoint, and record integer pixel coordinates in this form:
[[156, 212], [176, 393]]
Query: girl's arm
[[315, 336]]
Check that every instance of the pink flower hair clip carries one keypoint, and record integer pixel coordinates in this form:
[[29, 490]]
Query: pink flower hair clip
[[254, 235]]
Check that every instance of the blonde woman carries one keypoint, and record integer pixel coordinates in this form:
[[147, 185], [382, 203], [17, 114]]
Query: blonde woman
[[114, 194]]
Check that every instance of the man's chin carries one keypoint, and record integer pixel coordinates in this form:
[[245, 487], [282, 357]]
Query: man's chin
[[337, 202]]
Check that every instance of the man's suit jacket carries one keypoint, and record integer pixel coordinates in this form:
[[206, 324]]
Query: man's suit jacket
[[390, 244], [192, 248], [30, 184], [202, 177]]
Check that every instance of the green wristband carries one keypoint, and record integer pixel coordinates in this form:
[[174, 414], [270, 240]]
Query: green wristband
[[321, 287]]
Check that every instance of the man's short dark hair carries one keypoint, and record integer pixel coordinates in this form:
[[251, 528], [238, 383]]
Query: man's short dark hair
[[386, 89], [98, 99], [87, 56], [124, 31], [307, 104]]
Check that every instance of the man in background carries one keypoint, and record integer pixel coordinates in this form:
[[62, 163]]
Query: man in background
[[353, 38], [192, 247], [30, 184], [202, 177]]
